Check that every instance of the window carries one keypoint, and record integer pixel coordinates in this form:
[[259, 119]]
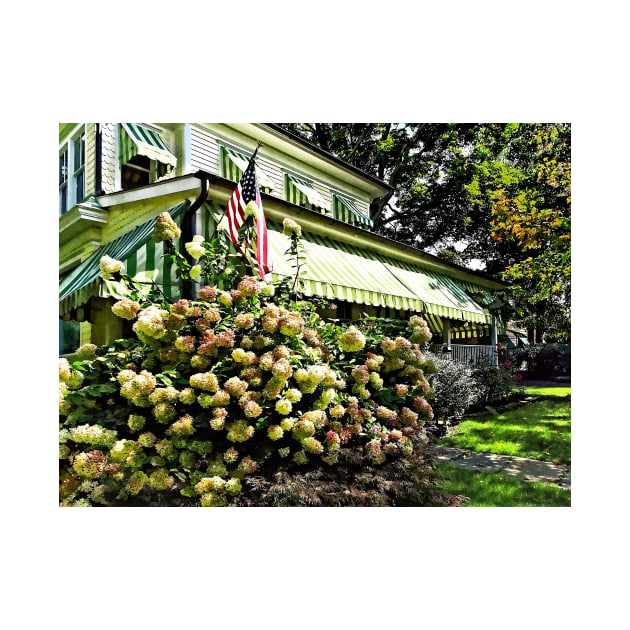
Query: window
[[72, 171], [302, 193], [347, 210], [143, 155]]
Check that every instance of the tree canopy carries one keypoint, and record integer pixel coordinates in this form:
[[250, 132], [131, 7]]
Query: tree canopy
[[496, 195]]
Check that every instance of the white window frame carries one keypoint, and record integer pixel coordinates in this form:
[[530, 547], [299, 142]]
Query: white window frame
[[71, 175]]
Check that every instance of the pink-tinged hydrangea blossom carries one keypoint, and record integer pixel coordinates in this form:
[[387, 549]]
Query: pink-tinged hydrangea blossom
[[290, 228], [239, 431], [160, 479], [185, 344], [374, 452], [165, 229], [181, 307], [164, 394], [205, 381], [247, 465], [312, 445], [109, 266], [407, 417], [182, 426], [405, 445], [126, 308], [374, 361], [291, 324], [217, 421], [425, 412], [208, 294], [332, 441], [235, 386], [252, 409], [248, 286], [388, 416], [123, 450], [400, 389], [275, 432], [261, 342], [361, 374], [266, 361], [282, 369], [150, 322], [244, 321], [136, 482], [90, 464], [269, 324], [352, 340], [230, 456], [392, 364], [273, 388], [317, 417], [337, 411]]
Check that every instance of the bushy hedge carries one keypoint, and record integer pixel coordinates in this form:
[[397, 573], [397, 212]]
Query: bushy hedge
[[244, 396]]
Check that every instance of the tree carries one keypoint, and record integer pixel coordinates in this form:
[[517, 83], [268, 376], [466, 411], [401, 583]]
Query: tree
[[494, 193]]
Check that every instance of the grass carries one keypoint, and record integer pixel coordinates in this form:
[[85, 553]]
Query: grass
[[540, 430]]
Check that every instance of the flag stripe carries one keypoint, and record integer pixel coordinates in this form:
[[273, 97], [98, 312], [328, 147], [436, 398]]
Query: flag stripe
[[246, 191]]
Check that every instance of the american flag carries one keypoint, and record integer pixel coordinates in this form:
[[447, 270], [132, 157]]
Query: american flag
[[246, 191]]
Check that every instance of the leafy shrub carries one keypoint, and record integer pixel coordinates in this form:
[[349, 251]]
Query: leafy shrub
[[454, 389], [544, 361], [224, 399], [492, 384]]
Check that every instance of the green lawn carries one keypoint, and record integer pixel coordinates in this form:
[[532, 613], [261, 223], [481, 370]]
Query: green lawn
[[497, 489], [540, 430]]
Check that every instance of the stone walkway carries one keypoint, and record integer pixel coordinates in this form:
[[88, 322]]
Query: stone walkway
[[527, 469]]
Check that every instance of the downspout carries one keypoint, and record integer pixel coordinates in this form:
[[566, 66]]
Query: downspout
[[187, 229], [98, 167]]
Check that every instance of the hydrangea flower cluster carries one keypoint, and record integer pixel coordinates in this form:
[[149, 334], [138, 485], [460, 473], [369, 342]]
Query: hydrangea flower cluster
[[217, 387]]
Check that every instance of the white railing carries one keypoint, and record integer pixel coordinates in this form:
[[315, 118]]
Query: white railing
[[470, 355]]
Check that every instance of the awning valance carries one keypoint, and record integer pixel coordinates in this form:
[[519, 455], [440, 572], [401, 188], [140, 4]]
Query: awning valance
[[139, 253], [136, 139], [302, 193], [346, 210], [234, 165]]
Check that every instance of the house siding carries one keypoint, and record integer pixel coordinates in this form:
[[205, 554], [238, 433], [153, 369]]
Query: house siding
[[108, 161]]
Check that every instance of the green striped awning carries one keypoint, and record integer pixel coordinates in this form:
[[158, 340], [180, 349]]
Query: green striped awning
[[442, 295], [136, 139], [302, 193], [141, 255], [338, 271], [234, 165], [346, 210]]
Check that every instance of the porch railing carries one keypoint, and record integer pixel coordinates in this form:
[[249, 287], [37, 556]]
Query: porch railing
[[470, 355]]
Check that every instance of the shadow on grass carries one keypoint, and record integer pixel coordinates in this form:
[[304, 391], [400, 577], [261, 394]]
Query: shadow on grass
[[496, 489]]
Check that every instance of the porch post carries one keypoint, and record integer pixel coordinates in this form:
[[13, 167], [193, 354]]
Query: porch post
[[446, 331], [493, 341]]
